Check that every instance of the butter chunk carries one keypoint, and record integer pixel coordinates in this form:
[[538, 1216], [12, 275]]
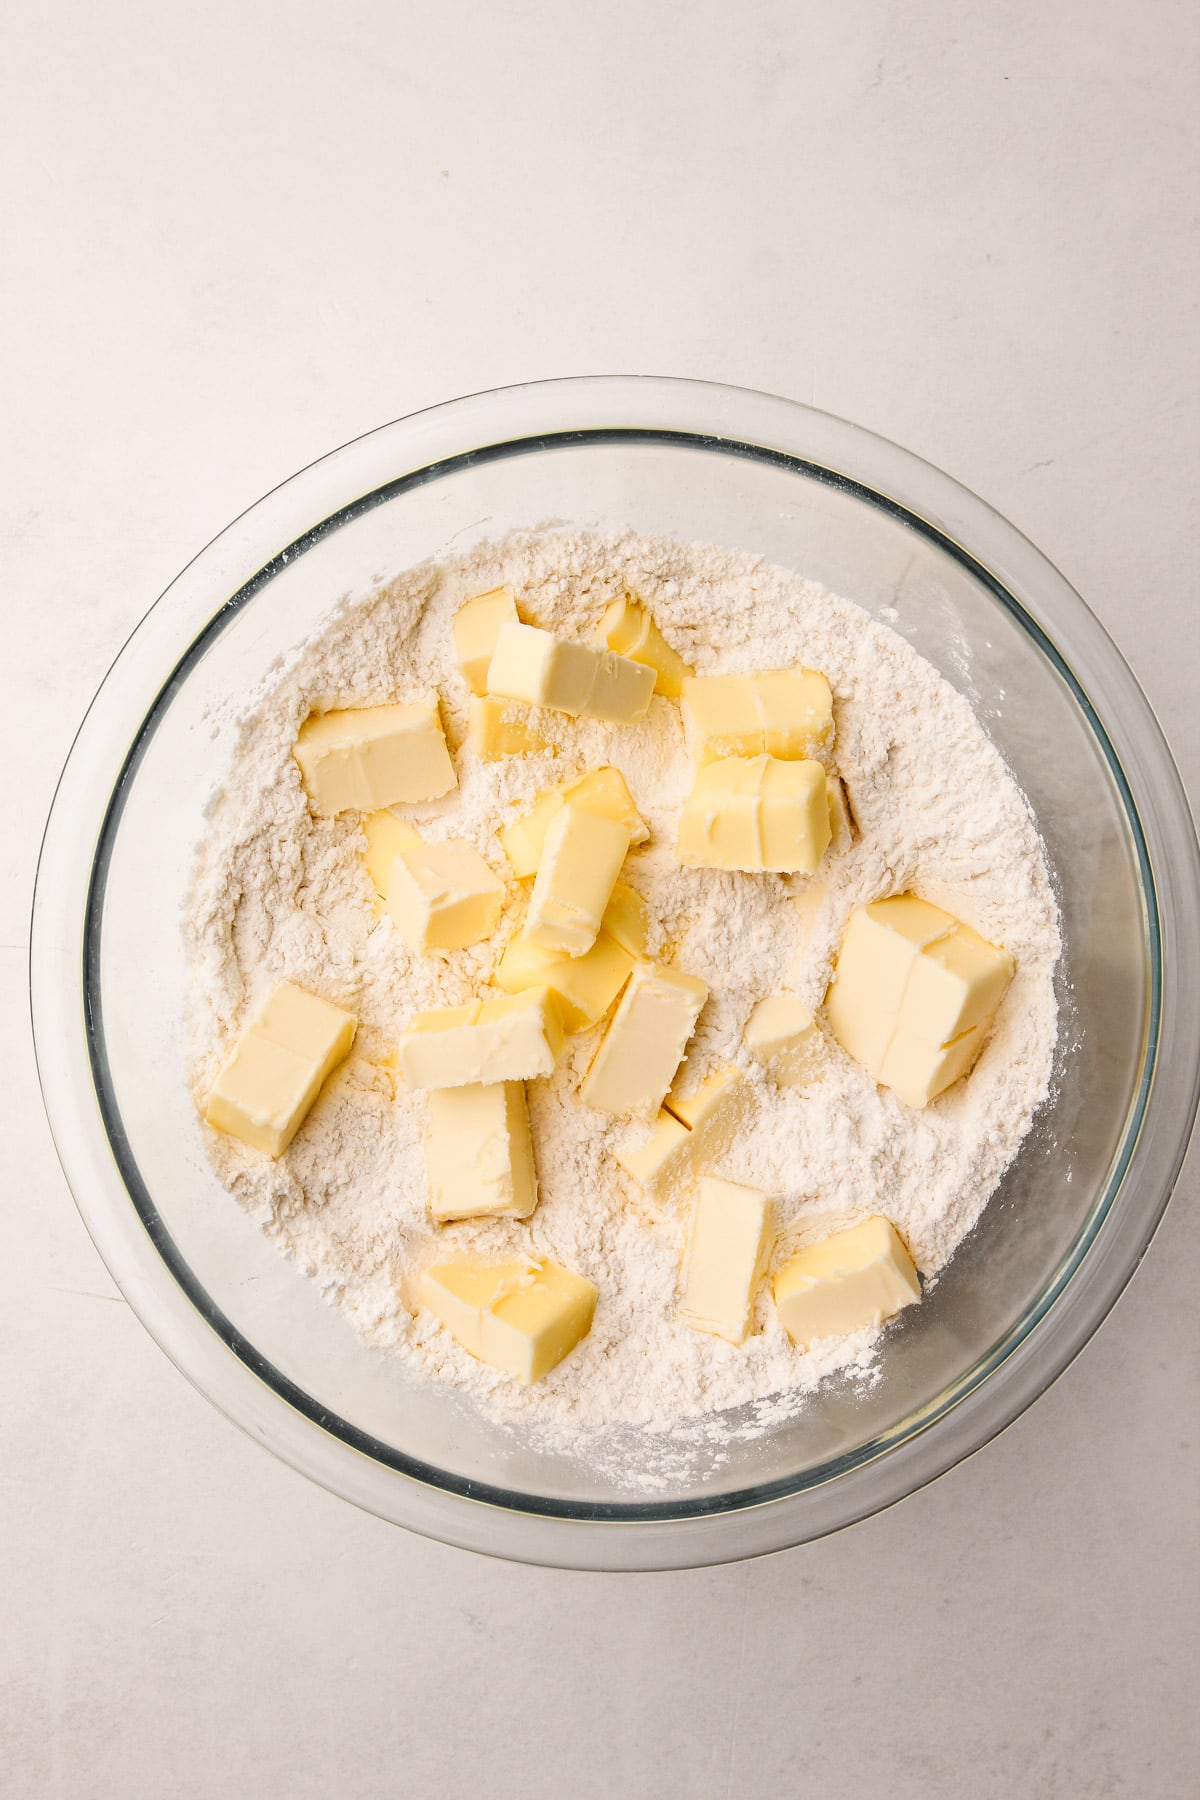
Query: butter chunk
[[479, 1153], [501, 728], [628, 628], [603, 791], [848, 1281], [664, 1162], [580, 863], [521, 1317], [756, 813], [914, 994], [278, 1067], [476, 627], [728, 1246], [645, 1041], [387, 838], [786, 713], [782, 1035], [369, 757], [442, 896], [509, 1039], [627, 920], [534, 665], [585, 987]]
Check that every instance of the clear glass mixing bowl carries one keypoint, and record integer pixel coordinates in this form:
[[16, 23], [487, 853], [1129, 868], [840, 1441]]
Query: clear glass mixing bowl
[[1075, 1212]]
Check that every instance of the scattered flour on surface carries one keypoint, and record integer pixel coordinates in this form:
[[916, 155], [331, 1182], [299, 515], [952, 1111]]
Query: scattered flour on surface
[[279, 893]]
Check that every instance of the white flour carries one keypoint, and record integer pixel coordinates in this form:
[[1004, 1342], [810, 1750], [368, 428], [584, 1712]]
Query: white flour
[[280, 893]]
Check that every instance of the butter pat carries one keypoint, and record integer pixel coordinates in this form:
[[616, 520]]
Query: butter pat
[[512, 1039], [521, 1317], [756, 813], [663, 1164], [476, 627], [728, 1246], [627, 921], [914, 994], [374, 756], [479, 1153], [584, 987], [580, 863], [387, 838], [688, 1130], [277, 1069], [784, 712], [442, 896], [782, 1035], [603, 791], [534, 665], [848, 1281], [502, 728], [628, 628], [645, 1041]]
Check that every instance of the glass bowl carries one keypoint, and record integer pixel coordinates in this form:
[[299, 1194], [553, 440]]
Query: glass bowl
[[1075, 1211]]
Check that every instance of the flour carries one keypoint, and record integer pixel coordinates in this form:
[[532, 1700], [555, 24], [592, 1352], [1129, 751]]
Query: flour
[[279, 893]]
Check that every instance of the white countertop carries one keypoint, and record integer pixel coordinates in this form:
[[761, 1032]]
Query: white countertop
[[236, 235]]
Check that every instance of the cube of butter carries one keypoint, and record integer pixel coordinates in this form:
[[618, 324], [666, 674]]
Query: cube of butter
[[367, 757], [628, 628], [627, 920], [663, 1164], [782, 1035], [853, 1279], [476, 627], [782, 712], [689, 1130], [603, 791], [584, 986], [728, 1246], [500, 728], [756, 813], [387, 837], [645, 1041], [521, 1317], [580, 863], [509, 1039], [479, 1153], [914, 994], [534, 665], [278, 1067], [442, 896]]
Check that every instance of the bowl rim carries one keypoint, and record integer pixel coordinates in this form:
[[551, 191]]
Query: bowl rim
[[133, 1238]]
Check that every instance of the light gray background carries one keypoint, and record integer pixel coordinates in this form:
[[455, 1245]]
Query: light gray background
[[237, 234]]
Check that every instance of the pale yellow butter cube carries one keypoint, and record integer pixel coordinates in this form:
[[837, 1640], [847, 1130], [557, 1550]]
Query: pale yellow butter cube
[[521, 1317], [841, 820], [787, 713], [663, 1164], [278, 1067], [387, 838], [442, 896], [851, 1280], [603, 791], [757, 814], [627, 920], [368, 757], [580, 863], [645, 1041], [534, 665], [628, 628], [500, 728], [510, 1039], [914, 994], [479, 1153], [584, 986], [782, 1035], [476, 627], [712, 1112], [728, 1246]]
